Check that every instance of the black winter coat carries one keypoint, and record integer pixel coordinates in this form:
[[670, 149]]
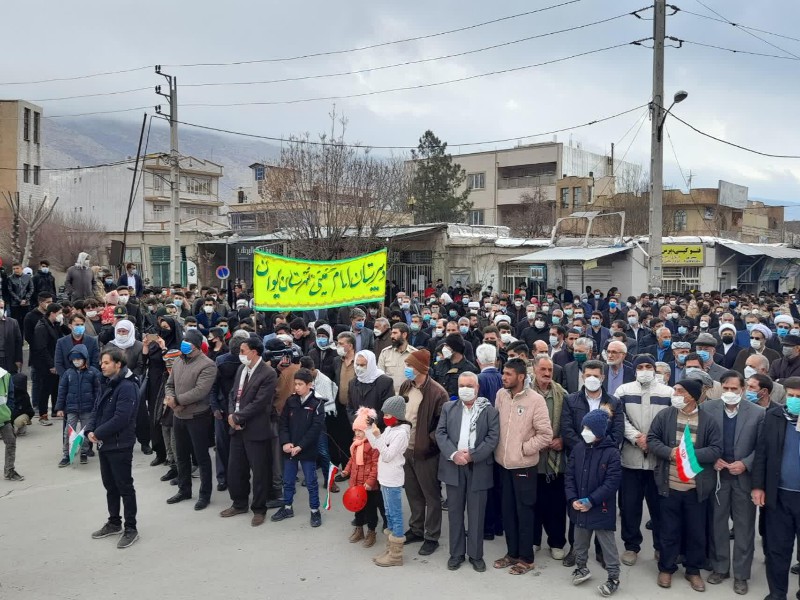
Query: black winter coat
[[301, 425], [594, 472], [114, 417]]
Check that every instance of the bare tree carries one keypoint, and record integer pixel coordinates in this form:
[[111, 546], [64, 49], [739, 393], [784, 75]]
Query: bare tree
[[333, 199], [26, 219], [65, 235], [533, 217]]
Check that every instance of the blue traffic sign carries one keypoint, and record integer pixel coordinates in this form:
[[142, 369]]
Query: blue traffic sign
[[223, 272]]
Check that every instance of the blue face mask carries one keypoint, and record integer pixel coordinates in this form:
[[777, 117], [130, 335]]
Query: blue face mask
[[683, 330], [595, 322], [666, 343], [186, 347], [453, 313], [612, 305], [681, 358], [178, 303], [408, 372], [750, 326], [359, 325], [426, 318], [733, 303], [463, 329], [224, 330], [751, 395], [79, 330], [703, 354], [568, 312], [414, 327], [322, 342], [793, 405], [781, 331], [556, 320]]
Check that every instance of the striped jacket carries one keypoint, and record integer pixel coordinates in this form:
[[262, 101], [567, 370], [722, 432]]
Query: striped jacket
[[641, 405]]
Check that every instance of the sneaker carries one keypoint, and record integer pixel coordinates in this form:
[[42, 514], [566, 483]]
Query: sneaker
[[107, 530], [569, 559], [43, 420], [21, 430], [12, 475], [84, 459], [128, 538], [283, 513], [629, 558], [557, 553], [64, 462], [609, 587], [316, 518], [580, 575]]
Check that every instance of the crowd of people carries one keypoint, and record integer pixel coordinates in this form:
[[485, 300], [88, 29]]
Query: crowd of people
[[540, 419]]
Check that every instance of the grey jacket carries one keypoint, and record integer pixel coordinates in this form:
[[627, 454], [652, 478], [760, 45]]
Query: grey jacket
[[708, 448], [79, 283], [749, 423], [189, 383], [487, 435]]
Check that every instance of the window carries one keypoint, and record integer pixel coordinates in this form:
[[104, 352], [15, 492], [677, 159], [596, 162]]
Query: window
[[577, 196], [679, 220], [476, 181], [159, 263], [709, 213], [160, 209], [36, 119], [679, 279], [158, 183], [134, 255], [26, 124], [36, 175], [259, 173], [241, 197], [26, 172], [476, 217], [565, 197], [198, 185]]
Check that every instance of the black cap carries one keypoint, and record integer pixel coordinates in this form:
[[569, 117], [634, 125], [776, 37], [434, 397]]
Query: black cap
[[791, 340]]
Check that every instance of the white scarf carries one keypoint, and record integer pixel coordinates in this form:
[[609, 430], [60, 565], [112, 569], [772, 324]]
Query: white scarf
[[123, 342]]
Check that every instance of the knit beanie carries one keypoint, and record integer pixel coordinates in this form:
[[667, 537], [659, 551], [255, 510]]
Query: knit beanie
[[597, 422], [420, 361], [644, 359], [395, 406], [360, 423], [455, 342], [693, 386]]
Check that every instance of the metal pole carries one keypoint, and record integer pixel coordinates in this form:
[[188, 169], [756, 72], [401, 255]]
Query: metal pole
[[175, 266], [657, 146], [130, 200]]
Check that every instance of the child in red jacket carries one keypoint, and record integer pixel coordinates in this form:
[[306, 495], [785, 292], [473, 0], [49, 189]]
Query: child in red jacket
[[362, 468]]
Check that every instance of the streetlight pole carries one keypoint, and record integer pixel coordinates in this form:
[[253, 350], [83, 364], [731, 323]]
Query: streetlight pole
[[175, 198], [657, 147]]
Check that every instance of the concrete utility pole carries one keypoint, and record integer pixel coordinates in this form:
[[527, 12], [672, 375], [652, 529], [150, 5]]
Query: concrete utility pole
[[657, 146], [175, 176]]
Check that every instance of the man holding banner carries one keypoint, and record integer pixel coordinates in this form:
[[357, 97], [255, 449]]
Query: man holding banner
[[687, 442]]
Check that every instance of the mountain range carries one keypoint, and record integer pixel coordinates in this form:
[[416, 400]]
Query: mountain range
[[92, 140]]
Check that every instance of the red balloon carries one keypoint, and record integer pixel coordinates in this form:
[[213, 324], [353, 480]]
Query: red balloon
[[355, 498]]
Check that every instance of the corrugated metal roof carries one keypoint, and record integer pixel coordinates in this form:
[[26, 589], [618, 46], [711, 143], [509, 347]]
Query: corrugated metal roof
[[779, 252], [569, 253]]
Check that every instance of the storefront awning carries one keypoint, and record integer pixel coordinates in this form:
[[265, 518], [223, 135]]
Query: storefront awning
[[767, 250], [568, 254]]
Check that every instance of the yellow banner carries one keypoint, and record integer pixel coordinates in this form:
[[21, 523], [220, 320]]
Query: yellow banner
[[283, 284], [682, 254]]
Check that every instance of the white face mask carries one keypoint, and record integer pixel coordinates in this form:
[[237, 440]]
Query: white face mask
[[208, 309], [91, 314], [588, 436], [123, 300], [244, 360], [506, 338], [731, 398], [360, 371], [78, 363], [645, 376], [466, 394], [438, 332], [755, 344], [749, 372], [592, 383], [678, 402], [703, 324], [60, 319], [538, 324], [341, 351], [447, 352]]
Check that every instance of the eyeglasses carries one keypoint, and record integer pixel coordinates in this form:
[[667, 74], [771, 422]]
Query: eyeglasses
[[753, 337]]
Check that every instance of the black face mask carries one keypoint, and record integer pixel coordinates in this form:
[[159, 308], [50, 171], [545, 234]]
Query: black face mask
[[727, 339]]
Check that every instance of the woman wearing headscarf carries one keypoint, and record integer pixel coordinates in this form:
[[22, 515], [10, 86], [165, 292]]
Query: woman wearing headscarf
[[154, 346], [371, 387]]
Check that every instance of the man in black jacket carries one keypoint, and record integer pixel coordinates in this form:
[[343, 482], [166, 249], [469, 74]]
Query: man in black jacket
[[44, 281], [43, 352], [113, 428], [776, 486], [249, 411], [20, 288]]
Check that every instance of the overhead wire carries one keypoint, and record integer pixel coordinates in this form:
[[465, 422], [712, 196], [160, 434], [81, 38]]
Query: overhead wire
[[733, 50], [77, 77], [738, 25]]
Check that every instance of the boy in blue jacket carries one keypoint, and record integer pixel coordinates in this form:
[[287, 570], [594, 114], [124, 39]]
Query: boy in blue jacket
[[299, 429], [78, 389], [593, 477]]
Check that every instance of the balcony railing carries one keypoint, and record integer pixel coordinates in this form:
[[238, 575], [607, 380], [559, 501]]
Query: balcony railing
[[528, 181]]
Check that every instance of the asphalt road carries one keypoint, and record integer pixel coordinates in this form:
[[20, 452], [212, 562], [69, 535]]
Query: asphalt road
[[47, 551]]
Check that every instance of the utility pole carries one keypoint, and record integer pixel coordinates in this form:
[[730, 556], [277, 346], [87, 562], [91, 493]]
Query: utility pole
[[657, 116], [175, 178]]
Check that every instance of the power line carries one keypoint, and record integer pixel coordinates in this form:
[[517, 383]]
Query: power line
[[95, 166], [77, 77], [99, 112], [410, 62], [739, 25], [379, 44], [142, 89], [733, 50], [412, 87], [750, 33], [499, 141], [726, 142]]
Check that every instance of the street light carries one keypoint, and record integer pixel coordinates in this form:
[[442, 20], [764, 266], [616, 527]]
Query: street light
[[679, 97]]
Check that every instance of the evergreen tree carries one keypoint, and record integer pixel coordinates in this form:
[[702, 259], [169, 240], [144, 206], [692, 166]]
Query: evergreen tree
[[436, 182]]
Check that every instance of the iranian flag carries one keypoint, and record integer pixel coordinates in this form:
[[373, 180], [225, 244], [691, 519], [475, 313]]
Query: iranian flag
[[332, 471], [686, 461], [75, 442]]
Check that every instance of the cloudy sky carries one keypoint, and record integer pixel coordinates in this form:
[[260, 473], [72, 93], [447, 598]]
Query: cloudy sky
[[750, 100]]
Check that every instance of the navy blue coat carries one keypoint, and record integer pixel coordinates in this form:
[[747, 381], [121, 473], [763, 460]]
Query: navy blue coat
[[114, 417], [576, 406], [64, 347], [78, 389], [594, 472], [301, 424]]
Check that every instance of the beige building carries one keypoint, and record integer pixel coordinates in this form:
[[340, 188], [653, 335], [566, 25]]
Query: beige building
[[20, 150]]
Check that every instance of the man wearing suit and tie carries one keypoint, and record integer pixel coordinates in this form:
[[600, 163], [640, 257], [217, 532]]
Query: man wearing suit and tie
[[741, 424], [467, 434], [250, 410], [572, 378]]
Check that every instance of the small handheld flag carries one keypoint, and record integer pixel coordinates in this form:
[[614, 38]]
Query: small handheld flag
[[332, 471], [686, 460], [75, 442]]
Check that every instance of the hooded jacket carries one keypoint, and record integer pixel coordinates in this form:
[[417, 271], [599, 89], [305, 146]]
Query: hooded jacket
[[79, 283], [113, 420], [78, 388], [594, 472]]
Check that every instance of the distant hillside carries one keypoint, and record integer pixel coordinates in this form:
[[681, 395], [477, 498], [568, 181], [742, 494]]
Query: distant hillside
[[88, 140]]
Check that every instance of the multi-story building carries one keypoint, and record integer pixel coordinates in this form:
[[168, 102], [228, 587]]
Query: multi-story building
[[101, 196], [20, 151], [499, 180]]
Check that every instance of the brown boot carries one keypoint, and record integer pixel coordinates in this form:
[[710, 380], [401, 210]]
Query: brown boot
[[394, 557], [357, 535], [664, 579], [369, 540], [385, 553]]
